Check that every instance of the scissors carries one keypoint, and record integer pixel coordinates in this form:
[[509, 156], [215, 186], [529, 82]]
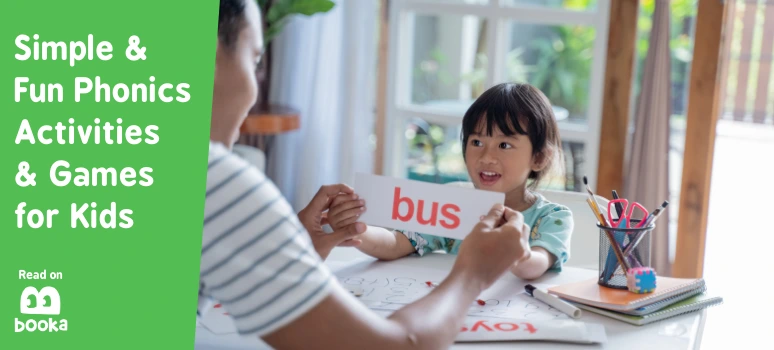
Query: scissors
[[625, 218], [623, 221]]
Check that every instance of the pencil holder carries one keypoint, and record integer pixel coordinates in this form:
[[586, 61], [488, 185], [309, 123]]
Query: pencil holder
[[634, 245]]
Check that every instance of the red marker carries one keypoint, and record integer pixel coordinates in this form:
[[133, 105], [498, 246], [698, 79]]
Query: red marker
[[481, 302], [431, 284]]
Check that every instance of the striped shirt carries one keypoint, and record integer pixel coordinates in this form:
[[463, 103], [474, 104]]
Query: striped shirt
[[257, 259]]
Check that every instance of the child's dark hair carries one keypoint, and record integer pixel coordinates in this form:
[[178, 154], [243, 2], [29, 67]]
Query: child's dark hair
[[510, 107]]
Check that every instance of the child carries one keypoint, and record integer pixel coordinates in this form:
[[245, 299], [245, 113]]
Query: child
[[510, 140]]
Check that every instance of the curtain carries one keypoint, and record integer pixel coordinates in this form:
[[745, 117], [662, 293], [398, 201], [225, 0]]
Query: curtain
[[325, 66], [647, 172]]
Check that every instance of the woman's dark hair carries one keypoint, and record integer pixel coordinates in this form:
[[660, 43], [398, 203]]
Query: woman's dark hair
[[511, 107], [231, 18]]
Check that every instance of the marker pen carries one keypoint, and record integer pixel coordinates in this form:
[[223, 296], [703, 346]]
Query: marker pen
[[553, 301]]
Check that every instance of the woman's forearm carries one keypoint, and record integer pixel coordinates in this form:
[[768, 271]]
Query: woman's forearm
[[432, 322], [435, 319]]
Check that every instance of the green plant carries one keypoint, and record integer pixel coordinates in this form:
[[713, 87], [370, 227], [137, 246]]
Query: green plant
[[516, 71], [277, 12], [563, 68], [429, 75], [477, 76], [426, 140], [563, 55]]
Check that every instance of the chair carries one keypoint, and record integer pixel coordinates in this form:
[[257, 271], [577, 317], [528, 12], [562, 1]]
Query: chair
[[584, 244]]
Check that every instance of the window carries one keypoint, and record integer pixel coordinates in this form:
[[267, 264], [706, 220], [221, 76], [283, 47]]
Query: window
[[444, 53]]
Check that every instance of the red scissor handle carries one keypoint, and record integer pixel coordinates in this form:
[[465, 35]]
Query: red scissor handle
[[628, 211], [631, 212], [611, 209]]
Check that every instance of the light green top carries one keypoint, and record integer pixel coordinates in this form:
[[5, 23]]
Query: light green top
[[550, 225]]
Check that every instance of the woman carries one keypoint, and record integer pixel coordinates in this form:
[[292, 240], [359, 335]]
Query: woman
[[264, 263]]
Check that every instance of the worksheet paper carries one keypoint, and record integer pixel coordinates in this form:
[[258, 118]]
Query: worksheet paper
[[509, 314], [475, 329]]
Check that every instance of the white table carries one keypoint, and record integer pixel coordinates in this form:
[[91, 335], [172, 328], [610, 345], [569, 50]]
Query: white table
[[680, 332]]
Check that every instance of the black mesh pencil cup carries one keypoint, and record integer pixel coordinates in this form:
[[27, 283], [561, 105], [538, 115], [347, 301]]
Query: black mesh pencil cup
[[634, 244]]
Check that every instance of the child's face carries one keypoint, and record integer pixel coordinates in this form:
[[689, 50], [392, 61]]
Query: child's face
[[499, 163]]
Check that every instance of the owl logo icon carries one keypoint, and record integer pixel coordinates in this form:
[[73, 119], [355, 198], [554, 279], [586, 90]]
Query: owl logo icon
[[43, 302]]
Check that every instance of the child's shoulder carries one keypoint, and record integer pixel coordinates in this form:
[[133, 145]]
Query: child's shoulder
[[543, 207]]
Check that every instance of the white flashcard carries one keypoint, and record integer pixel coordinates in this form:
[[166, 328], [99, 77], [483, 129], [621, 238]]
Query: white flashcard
[[442, 210]]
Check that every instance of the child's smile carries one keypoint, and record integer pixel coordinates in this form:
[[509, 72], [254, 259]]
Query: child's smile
[[488, 178]]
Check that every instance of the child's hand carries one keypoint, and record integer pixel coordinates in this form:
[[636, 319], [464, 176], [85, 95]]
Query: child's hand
[[312, 218], [345, 210]]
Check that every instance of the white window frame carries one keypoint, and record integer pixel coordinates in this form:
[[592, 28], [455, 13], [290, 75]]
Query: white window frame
[[400, 52]]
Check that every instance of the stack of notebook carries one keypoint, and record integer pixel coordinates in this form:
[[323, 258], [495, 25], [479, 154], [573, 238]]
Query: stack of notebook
[[672, 297]]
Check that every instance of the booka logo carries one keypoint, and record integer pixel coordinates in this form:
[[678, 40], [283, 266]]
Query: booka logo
[[43, 302]]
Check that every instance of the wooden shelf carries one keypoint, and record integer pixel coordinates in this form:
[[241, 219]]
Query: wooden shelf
[[275, 119]]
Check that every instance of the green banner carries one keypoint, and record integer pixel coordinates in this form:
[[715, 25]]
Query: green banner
[[103, 140]]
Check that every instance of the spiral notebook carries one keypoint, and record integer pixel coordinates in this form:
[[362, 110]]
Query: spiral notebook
[[664, 303], [691, 304], [590, 293]]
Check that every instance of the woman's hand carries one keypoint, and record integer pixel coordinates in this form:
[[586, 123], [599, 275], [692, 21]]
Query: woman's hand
[[312, 219], [498, 241]]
